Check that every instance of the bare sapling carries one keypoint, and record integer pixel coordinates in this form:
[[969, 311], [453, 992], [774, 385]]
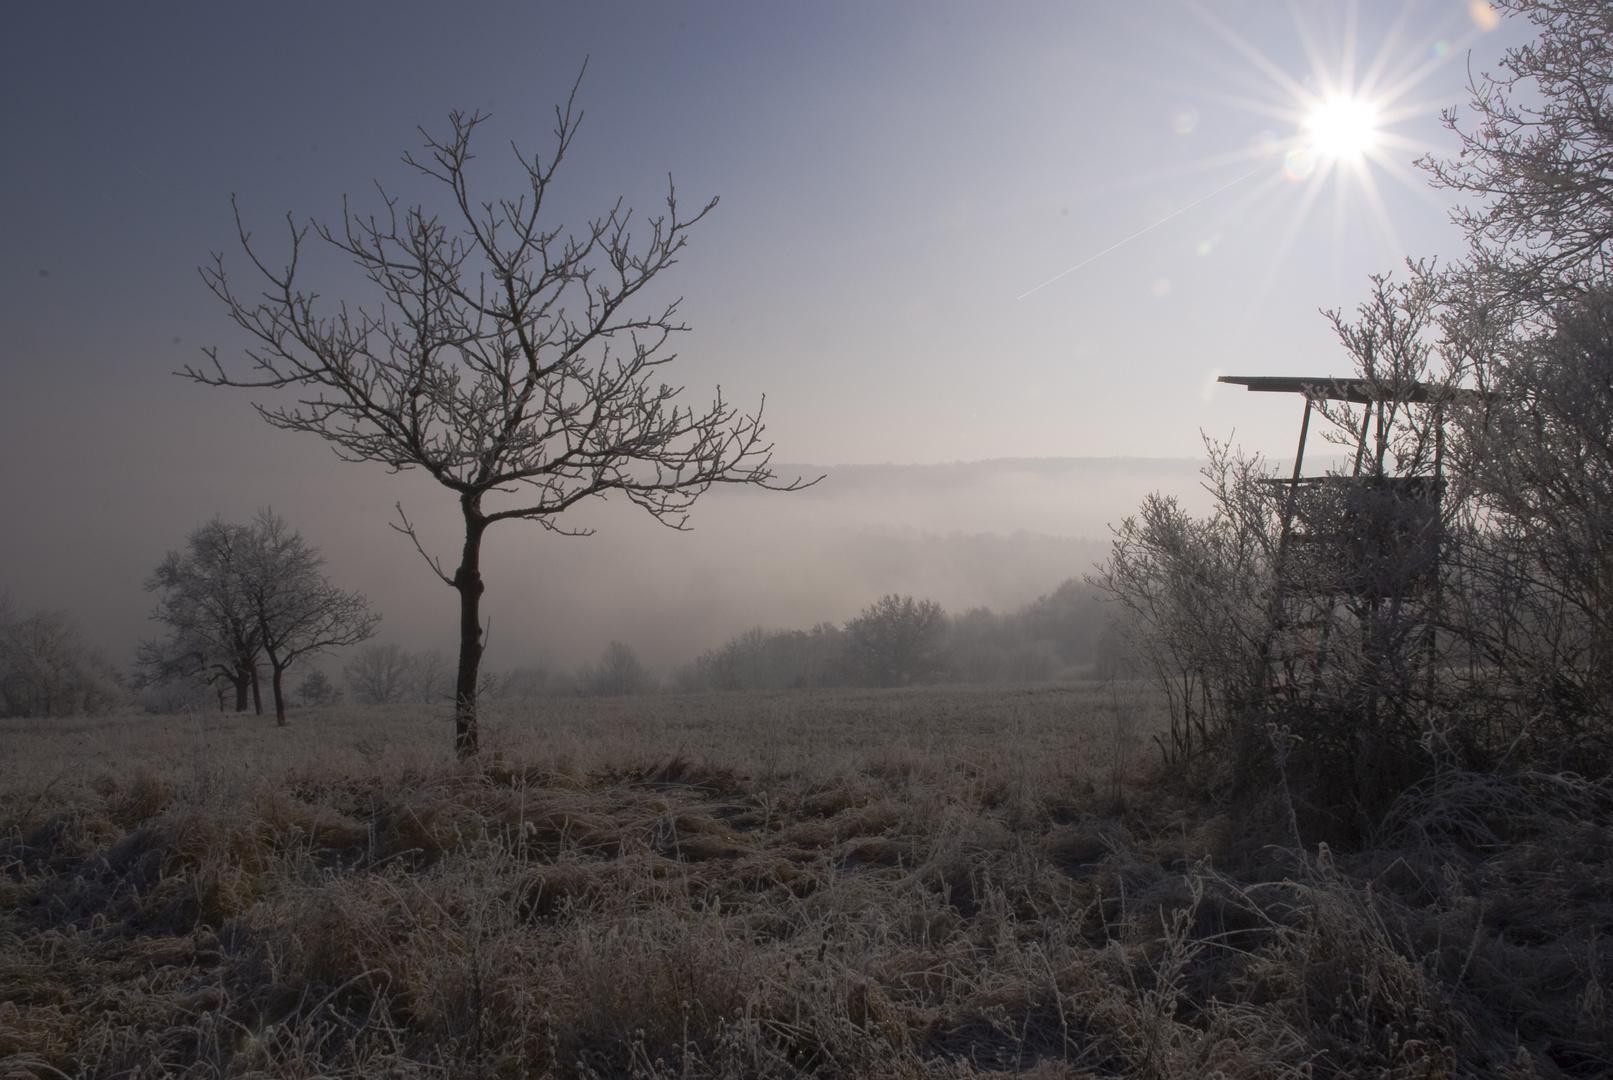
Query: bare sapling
[[516, 363]]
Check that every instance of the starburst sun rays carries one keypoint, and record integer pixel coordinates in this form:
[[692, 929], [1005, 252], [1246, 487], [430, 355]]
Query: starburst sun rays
[[1340, 118], [1330, 130]]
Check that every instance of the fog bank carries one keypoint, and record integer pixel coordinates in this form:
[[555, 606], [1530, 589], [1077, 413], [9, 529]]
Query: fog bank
[[992, 533]]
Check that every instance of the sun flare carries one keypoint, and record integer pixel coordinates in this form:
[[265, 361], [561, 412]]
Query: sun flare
[[1336, 124], [1330, 118], [1343, 127]]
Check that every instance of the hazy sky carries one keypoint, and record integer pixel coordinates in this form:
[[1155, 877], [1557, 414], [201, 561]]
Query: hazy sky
[[894, 177]]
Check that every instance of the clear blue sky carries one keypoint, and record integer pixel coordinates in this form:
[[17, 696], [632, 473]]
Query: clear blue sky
[[894, 177]]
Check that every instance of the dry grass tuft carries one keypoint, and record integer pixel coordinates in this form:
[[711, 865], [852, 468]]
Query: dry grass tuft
[[935, 882]]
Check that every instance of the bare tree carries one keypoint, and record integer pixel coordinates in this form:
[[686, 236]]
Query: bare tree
[[317, 689], [1195, 598], [1530, 312], [213, 632], [531, 681], [511, 360], [896, 641], [1539, 574], [298, 611], [430, 679], [241, 592], [1539, 159], [618, 673], [378, 675]]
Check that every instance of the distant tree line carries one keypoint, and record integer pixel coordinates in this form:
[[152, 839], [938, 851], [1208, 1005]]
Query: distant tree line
[[617, 673], [389, 675], [895, 641], [900, 641], [215, 595], [243, 603]]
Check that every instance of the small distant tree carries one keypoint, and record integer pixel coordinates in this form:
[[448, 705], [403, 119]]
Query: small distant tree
[[378, 675], [690, 678], [317, 689], [514, 362], [896, 641], [387, 674], [239, 593], [618, 673], [298, 611], [430, 677], [213, 633], [531, 681]]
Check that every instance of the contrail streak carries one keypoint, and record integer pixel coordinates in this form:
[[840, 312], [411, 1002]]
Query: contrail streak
[[1139, 232]]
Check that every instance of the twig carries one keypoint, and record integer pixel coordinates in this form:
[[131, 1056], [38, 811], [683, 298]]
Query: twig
[[408, 530]]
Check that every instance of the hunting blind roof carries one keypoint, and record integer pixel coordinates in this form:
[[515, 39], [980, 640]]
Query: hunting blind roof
[[1328, 388]]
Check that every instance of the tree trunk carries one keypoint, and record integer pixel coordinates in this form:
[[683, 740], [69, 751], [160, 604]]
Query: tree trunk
[[279, 699], [468, 580], [242, 681], [277, 669], [257, 691]]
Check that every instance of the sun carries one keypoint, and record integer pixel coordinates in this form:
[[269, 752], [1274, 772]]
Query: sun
[[1335, 123], [1343, 128], [1330, 117]]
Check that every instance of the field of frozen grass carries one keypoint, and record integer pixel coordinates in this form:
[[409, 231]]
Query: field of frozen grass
[[1050, 730], [944, 881]]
